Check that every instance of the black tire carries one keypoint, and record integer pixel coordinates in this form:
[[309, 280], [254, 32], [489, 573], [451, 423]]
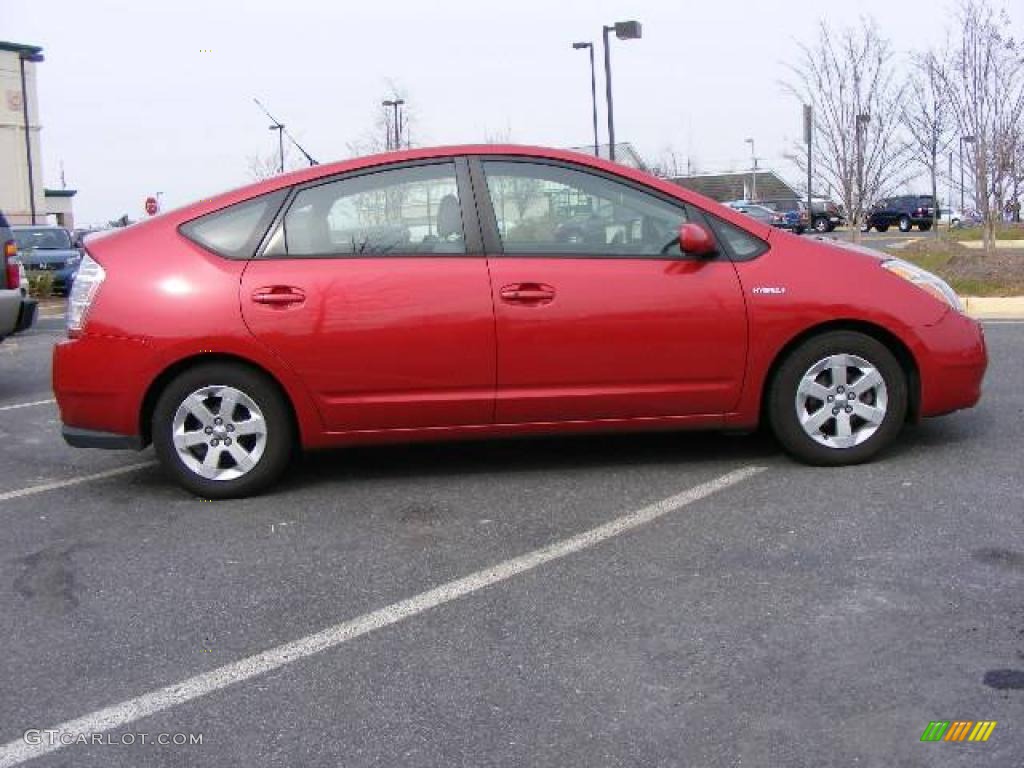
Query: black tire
[[799, 230], [782, 394], [924, 227], [831, 227], [905, 224], [882, 227], [822, 224], [280, 432]]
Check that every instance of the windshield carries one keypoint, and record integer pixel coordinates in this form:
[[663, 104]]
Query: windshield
[[42, 238]]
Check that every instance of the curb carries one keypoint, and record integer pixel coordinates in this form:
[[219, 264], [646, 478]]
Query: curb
[[994, 307]]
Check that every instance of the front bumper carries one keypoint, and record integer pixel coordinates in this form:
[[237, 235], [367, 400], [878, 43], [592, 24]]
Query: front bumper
[[952, 364]]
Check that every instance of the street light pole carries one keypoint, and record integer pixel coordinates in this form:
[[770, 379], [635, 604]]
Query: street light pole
[[624, 30], [395, 104], [593, 90], [753, 172], [280, 145], [35, 58], [969, 140]]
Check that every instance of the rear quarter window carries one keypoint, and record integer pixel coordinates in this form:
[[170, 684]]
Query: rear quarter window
[[235, 232]]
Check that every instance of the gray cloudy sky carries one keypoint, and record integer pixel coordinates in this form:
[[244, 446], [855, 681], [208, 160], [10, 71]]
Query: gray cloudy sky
[[132, 104]]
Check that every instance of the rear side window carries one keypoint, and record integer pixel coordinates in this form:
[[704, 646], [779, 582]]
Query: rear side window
[[235, 232]]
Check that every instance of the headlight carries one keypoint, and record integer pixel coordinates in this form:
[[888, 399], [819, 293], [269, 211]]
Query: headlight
[[83, 291], [925, 280]]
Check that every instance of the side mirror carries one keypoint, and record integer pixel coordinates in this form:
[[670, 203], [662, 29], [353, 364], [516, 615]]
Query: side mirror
[[695, 240]]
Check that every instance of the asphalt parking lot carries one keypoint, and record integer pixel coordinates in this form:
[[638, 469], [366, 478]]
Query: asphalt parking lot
[[765, 614]]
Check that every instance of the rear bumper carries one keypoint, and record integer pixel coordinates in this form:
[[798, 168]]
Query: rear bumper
[[99, 382], [93, 438], [952, 364]]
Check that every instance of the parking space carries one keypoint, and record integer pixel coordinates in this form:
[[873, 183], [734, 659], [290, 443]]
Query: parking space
[[789, 616]]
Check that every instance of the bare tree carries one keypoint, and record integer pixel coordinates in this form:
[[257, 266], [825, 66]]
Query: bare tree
[[928, 118], [670, 163], [263, 166], [987, 95], [855, 90]]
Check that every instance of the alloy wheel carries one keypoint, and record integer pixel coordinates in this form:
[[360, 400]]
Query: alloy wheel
[[219, 432], [841, 401]]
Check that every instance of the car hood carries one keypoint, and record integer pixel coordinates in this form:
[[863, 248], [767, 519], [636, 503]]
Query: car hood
[[854, 247], [47, 256]]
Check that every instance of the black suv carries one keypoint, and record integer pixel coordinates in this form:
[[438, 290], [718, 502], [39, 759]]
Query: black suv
[[905, 211]]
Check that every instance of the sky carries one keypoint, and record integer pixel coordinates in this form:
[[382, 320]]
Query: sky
[[138, 98]]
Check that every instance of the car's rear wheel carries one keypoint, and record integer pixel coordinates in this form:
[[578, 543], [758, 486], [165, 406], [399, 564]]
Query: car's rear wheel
[[838, 399], [222, 430], [924, 227], [822, 224], [905, 225], [882, 227]]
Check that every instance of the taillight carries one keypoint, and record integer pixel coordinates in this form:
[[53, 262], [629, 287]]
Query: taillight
[[13, 273], [83, 291]]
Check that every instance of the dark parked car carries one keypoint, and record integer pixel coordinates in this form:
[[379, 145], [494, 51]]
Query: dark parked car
[[825, 215], [904, 211], [17, 311], [49, 249]]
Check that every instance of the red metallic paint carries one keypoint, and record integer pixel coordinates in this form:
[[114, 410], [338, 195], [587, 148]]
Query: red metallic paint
[[426, 348]]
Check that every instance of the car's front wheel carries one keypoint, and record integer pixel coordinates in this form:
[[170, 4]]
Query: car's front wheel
[[222, 430], [838, 399], [822, 225], [905, 224]]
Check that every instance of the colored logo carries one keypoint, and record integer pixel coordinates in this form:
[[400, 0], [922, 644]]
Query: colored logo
[[958, 730]]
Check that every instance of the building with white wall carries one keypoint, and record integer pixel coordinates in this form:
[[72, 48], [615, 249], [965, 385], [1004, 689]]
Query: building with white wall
[[22, 190]]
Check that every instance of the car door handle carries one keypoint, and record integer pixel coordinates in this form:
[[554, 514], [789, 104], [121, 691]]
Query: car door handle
[[278, 295], [531, 294]]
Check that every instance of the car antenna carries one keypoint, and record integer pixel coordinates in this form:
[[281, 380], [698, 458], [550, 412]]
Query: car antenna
[[280, 127]]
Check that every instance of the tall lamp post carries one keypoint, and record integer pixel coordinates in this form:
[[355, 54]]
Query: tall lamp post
[[593, 89], [624, 30], [963, 140], [35, 57], [395, 104], [753, 170], [280, 145]]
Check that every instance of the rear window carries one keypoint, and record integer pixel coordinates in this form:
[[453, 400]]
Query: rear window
[[235, 232]]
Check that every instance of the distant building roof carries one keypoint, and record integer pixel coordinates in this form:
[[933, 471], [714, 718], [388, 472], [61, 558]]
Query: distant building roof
[[625, 154], [737, 185], [19, 47]]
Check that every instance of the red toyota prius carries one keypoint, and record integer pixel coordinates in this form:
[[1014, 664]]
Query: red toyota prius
[[486, 291]]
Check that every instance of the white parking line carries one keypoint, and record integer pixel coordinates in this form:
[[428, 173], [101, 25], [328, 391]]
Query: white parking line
[[26, 405], [100, 721], [32, 490]]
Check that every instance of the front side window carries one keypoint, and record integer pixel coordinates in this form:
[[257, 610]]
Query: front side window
[[550, 209], [413, 210]]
